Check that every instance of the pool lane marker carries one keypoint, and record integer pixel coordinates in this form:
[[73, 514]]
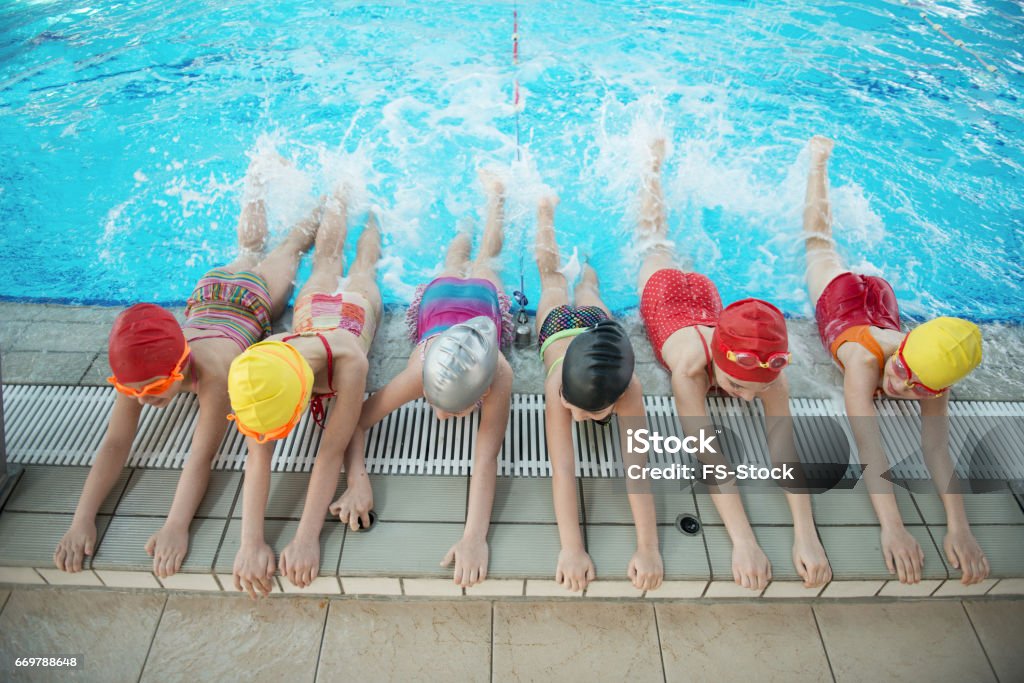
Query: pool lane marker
[[515, 79], [956, 41]]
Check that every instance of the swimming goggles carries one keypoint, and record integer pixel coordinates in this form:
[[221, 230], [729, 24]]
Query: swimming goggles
[[902, 370], [749, 359], [156, 387]]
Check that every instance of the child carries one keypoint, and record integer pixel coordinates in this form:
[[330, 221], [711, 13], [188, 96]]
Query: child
[[589, 363], [742, 350], [458, 321], [153, 359], [271, 384], [859, 324]]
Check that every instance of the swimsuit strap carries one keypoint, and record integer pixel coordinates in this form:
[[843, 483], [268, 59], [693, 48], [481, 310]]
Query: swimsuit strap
[[555, 364], [219, 335], [316, 402], [561, 334], [707, 356]]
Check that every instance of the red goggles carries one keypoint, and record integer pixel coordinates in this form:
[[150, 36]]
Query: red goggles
[[158, 386], [902, 370], [750, 360]]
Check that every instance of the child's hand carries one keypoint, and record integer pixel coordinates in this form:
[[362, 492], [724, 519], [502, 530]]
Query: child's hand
[[168, 547], [645, 569], [750, 566], [965, 554], [300, 560], [355, 504], [254, 569], [575, 569], [470, 556], [77, 543], [902, 553], [810, 560]]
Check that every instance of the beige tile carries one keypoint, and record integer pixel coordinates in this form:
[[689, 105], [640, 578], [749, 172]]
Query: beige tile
[[112, 629], [406, 641], [497, 588], [678, 590], [56, 577], [116, 579], [953, 588], [902, 641], [730, 589], [367, 585], [613, 589], [741, 642], [852, 589], [546, 588], [214, 638], [20, 575], [1008, 587], [999, 625], [191, 582], [575, 641], [790, 589], [432, 587], [922, 589], [321, 585]]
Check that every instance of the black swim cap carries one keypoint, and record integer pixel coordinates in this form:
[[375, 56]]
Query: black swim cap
[[598, 367]]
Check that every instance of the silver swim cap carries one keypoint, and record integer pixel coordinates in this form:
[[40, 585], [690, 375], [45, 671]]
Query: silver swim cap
[[460, 364]]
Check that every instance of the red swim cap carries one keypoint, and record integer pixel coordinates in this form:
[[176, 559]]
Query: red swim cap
[[754, 326], [145, 341]]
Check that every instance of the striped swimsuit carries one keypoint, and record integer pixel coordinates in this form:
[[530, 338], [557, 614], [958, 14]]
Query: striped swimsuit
[[234, 305]]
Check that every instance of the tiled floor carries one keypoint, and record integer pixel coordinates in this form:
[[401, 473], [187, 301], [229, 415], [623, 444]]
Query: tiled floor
[[157, 637]]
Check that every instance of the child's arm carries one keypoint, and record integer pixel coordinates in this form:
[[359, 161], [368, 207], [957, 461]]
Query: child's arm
[[575, 568], [254, 563], [300, 560], [113, 452], [750, 566], [355, 503], [645, 568], [902, 553], [470, 554], [169, 545], [809, 556], [960, 545]]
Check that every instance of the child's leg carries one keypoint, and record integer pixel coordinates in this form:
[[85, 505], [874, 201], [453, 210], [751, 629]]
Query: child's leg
[[328, 256], [588, 291], [457, 258], [554, 290], [823, 262], [652, 228], [279, 267], [362, 276], [252, 221], [494, 230]]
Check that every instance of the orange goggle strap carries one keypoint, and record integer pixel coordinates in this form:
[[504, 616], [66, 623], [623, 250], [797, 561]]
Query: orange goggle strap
[[285, 429], [162, 384]]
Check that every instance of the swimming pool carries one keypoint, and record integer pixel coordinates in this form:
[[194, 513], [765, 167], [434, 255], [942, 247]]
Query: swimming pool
[[125, 129]]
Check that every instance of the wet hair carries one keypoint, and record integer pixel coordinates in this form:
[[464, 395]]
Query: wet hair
[[598, 367]]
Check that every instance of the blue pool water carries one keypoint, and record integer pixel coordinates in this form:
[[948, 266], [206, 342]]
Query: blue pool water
[[125, 129]]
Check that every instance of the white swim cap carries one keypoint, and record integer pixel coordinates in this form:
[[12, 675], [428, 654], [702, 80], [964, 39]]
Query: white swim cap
[[460, 364]]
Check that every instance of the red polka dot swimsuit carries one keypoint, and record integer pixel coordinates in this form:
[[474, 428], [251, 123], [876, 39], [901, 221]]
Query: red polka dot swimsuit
[[672, 300]]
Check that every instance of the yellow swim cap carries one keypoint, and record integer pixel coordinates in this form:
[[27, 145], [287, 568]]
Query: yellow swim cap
[[943, 351], [270, 385]]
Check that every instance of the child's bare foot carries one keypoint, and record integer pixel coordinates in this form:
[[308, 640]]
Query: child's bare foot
[[493, 184], [547, 205], [657, 155], [300, 560], [75, 546], [903, 554], [168, 547], [470, 556], [810, 560], [821, 148], [750, 566], [965, 554]]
